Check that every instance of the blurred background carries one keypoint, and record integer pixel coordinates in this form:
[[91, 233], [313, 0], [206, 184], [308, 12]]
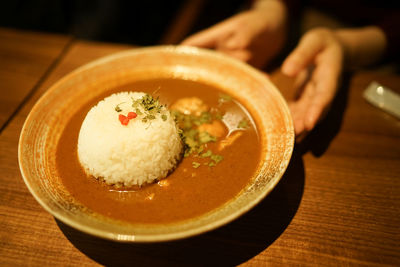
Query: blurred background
[[121, 21], [158, 22]]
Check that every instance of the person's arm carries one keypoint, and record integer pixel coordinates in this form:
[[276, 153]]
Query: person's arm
[[362, 46]]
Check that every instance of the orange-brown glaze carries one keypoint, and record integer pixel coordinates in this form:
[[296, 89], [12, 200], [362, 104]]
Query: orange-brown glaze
[[187, 192]]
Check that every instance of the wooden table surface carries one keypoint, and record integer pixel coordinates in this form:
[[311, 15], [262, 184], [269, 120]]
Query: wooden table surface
[[337, 204]]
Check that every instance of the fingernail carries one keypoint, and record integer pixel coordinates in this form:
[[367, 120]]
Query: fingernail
[[288, 68], [310, 122]]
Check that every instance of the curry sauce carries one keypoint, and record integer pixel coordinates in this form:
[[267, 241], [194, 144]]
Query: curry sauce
[[195, 187]]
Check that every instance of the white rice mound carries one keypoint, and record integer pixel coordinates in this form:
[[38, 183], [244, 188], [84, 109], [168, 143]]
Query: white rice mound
[[131, 155]]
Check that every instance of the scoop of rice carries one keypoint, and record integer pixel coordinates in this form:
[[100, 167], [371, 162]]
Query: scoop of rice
[[134, 154]]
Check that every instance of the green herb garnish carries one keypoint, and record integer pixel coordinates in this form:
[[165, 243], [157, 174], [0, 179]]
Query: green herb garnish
[[224, 98], [216, 158], [138, 111], [192, 138], [219, 115], [191, 133], [205, 117], [243, 124], [135, 103], [206, 154], [117, 108], [212, 164], [200, 149], [191, 142], [149, 107], [196, 141], [150, 117], [205, 137], [195, 164]]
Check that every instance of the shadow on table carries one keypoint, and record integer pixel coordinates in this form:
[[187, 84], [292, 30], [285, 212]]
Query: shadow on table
[[229, 245], [319, 139]]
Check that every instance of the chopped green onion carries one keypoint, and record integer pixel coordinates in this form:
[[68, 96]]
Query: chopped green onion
[[195, 164], [243, 124]]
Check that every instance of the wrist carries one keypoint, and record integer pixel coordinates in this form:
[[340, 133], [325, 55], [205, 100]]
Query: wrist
[[362, 46], [270, 6], [260, 4], [274, 12]]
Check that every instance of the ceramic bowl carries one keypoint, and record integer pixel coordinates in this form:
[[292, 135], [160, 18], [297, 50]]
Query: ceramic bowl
[[45, 123]]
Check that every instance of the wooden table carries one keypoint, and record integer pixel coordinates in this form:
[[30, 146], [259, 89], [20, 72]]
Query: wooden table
[[337, 204]]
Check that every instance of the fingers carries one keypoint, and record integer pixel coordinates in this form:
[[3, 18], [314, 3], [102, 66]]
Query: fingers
[[243, 55], [233, 45], [304, 54], [315, 99], [227, 37], [320, 54], [315, 110], [297, 111], [210, 37], [206, 39]]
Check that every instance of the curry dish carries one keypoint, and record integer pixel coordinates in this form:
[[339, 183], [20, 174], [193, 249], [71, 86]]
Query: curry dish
[[212, 172]]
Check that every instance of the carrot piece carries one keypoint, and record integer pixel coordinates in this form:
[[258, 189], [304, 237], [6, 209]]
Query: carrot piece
[[132, 115], [123, 119]]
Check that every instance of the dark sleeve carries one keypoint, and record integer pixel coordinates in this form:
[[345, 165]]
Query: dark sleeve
[[294, 8], [390, 24]]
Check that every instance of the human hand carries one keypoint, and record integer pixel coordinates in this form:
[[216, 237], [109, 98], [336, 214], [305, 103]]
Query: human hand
[[253, 36], [317, 64]]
